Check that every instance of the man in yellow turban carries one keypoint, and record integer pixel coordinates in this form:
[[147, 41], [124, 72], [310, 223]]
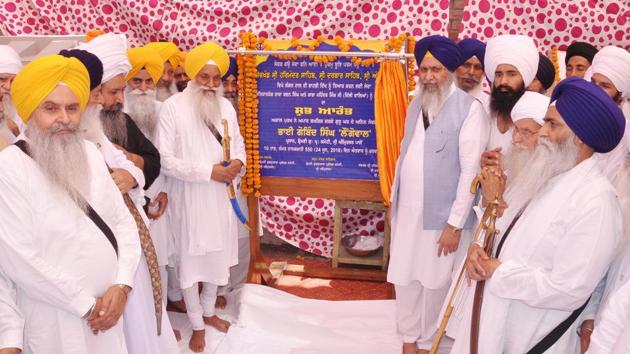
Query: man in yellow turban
[[67, 242], [172, 59], [192, 159], [179, 75]]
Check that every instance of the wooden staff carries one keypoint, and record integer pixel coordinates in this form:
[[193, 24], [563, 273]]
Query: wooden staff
[[487, 226]]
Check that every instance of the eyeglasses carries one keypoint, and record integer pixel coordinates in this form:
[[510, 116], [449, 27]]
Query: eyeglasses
[[525, 133]]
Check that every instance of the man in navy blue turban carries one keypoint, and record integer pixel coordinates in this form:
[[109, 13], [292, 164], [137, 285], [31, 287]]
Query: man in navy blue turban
[[446, 130], [545, 76], [230, 84], [471, 71], [561, 244], [91, 62]]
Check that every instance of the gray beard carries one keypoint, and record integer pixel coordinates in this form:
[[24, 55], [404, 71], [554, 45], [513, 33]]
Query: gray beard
[[9, 109], [548, 160], [115, 124], [91, 126], [516, 160], [142, 111], [63, 160], [163, 93], [208, 107], [432, 102], [233, 98]]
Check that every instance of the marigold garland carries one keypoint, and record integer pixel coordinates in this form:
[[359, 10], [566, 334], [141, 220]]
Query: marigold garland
[[248, 113], [556, 65]]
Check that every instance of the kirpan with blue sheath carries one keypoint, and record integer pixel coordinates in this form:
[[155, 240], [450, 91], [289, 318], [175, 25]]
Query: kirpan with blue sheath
[[225, 143]]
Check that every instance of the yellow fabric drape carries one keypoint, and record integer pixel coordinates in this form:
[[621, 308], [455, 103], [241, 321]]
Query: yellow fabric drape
[[390, 109]]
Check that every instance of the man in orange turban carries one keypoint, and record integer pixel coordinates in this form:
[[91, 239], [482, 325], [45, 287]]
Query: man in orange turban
[[172, 59]]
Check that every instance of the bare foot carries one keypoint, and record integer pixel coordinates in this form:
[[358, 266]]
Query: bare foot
[[220, 324], [422, 351], [221, 302], [179, 305], [198, 341], [178, 335], [409, 348]]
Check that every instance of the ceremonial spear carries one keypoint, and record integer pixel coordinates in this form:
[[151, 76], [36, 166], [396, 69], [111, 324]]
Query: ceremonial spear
[[487, 225]]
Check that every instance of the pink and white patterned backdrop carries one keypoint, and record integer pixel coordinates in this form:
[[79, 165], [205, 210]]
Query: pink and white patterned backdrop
[[308, 222], [189, 22], [550, 22]]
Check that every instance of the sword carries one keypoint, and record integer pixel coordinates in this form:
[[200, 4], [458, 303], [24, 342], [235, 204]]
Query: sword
[[230, 186]]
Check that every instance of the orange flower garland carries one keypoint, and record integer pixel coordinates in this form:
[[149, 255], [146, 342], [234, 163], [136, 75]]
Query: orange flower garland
[[248, 113], [556, 65]]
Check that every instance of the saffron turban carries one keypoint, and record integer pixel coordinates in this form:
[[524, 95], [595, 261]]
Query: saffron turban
[[111, 49], [614, 63], [233, 70], [442, 48], [40, 77], [546, 73], [590, 113], [582, 49], [516, 50], [10, 62], [471, 47], [206, 53], [168, 51], [531, 105], [91, 62], [145, 58]]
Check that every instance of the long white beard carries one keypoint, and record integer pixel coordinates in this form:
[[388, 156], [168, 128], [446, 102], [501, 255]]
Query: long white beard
[[63, 160], [141, 107], [516, 160], [91, 126], [208, 106], [548, 160], [162, 93], [432, 101]]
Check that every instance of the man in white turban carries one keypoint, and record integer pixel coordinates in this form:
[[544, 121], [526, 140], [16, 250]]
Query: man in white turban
[[511, 63], [10, 124]]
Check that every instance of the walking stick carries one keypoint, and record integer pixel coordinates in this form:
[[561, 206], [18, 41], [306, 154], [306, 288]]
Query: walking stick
[[487, 226]]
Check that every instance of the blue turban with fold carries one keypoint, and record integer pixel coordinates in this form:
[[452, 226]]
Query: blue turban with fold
[[233, 70], [590, 113], [91, 62], [442, 48], [472, 47]]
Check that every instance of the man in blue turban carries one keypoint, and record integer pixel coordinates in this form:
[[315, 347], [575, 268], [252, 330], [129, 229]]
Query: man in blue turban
[[471, 71], [560, 245], [230, 84], [445, 132]]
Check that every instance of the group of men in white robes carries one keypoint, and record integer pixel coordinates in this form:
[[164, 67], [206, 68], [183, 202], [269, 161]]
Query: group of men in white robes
[[553, 164]]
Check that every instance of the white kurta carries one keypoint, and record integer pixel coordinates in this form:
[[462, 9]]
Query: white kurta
[[498, 139], [204, 224], [413, 249], [481, 96], [11, 319], [551, 262], [611, 162], [612, 332], [58, 258]]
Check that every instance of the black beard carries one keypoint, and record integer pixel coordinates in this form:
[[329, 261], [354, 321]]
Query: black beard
[[502, 103], [181, 85]]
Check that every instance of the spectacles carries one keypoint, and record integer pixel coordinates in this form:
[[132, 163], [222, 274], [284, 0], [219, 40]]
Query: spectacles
[[525, 133]]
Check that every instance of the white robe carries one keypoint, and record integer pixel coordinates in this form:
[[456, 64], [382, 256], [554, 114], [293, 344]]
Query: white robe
[[413, 249], [11, 320], [498, 139], [612, 332], [58, 258], [551, 262], [204, 224]]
